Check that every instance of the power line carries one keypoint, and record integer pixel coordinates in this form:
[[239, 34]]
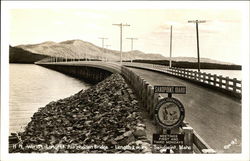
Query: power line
[[197, 38], [121, 25]]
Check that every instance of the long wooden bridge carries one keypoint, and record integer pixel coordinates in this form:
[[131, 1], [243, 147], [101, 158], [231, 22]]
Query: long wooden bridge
[[212, 103]]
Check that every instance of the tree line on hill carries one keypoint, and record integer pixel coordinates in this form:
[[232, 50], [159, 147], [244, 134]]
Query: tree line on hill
[[192, 65], [18, 55]]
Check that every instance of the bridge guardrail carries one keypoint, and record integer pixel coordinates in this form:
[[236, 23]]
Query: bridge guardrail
[[149, 99], [228, 85], [219, 81]]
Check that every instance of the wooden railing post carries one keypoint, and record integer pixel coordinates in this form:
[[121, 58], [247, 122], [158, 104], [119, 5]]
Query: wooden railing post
[[204, 77], [141, 87], [220, 81], [151, 103], [148, 97], [234, 84], [195, 75], [199, 76], [240, 86], [215, 79], [143, 90], [209, 79], [137, 85], [189, 74], [145, 94], [227, 82], [184, 72]]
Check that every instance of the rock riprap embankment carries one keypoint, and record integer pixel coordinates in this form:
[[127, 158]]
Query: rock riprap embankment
[[105, 118]]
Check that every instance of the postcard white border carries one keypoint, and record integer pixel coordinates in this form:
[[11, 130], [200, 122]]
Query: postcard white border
[[7, 6]]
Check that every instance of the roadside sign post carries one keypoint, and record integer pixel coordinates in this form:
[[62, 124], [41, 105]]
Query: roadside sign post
[[169, 113]]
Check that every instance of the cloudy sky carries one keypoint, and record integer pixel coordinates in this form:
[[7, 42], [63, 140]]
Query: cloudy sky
[[220, 36]]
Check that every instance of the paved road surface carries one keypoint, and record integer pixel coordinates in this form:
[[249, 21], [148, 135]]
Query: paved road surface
[[214, 116]]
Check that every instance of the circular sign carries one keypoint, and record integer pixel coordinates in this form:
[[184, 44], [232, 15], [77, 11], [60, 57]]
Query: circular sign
[[169, 112]]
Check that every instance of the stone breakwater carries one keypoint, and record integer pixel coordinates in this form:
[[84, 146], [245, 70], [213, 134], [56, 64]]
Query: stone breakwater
[[105, 118]]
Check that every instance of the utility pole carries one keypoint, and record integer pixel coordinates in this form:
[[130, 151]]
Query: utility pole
[[85, 53], [132, 41], [197, 37], [105, 52], [170, 60], [121, 25], [103, 38]]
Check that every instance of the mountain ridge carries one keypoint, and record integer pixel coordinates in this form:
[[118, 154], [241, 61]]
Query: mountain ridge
[[80, 49]]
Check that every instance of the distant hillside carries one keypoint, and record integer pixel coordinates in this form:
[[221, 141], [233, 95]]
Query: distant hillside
[[81, 49], [18, 55]]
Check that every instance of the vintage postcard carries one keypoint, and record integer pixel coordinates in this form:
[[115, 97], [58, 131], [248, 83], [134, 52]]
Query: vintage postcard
[[107, 80]]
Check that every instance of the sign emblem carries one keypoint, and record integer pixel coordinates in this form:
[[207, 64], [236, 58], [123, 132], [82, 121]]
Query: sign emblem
[[169, 113]]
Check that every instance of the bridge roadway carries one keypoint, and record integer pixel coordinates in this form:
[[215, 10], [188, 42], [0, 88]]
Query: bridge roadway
[[213, 115], [216, 117], [109, 66]]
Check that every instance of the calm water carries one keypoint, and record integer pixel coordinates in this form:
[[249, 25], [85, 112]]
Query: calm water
[[32, 86]]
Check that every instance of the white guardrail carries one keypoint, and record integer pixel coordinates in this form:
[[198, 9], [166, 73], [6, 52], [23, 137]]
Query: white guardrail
[[233, 86]]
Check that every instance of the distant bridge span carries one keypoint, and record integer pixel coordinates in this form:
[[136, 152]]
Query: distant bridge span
[[215, 116]]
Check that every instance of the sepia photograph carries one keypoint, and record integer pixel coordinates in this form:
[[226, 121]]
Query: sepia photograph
[[120, 79]]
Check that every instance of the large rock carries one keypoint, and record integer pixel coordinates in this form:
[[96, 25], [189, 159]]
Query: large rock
[[104, 114]]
